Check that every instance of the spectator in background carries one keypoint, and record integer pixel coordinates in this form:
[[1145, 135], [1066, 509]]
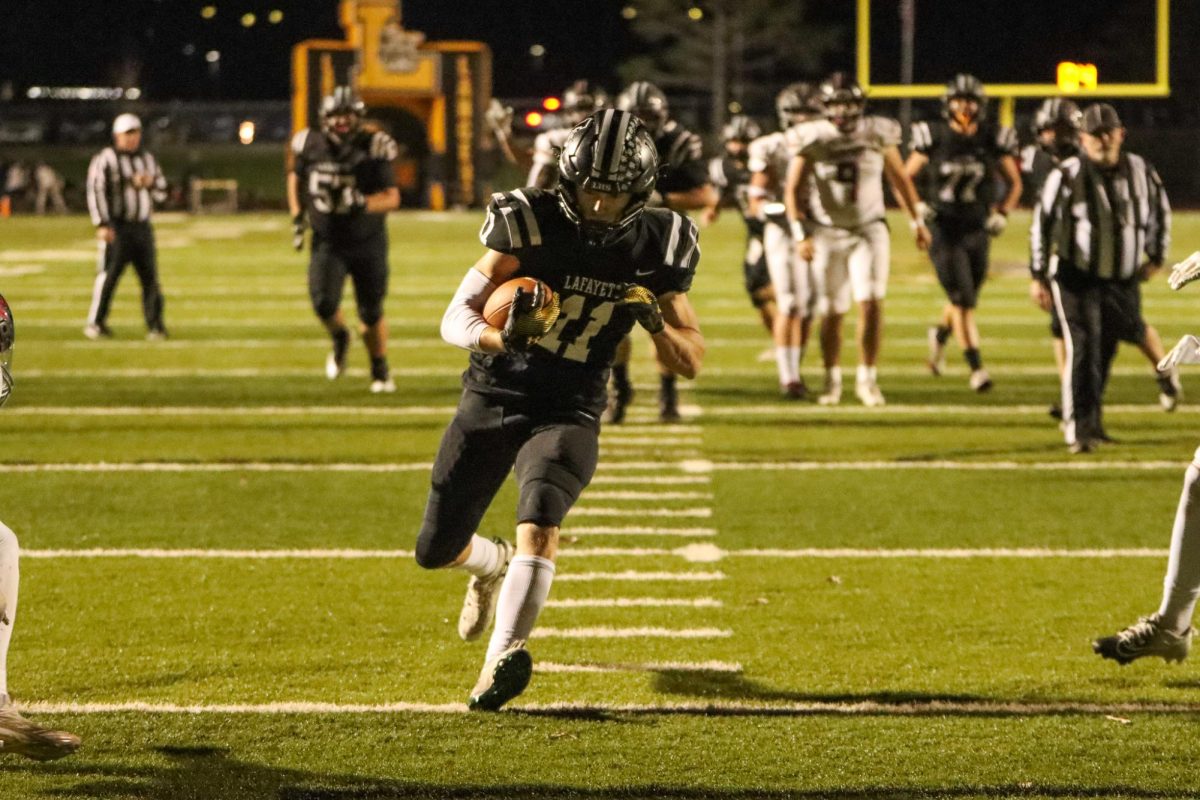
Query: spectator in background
[[49, 186]]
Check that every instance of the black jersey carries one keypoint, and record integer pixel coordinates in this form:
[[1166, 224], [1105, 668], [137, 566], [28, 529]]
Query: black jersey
[[335, 179], [568, 368], [960, 179], [1036, 165], [731, 177], [681, 166]]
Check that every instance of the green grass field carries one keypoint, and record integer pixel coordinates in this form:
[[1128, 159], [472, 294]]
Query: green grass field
[[217, 591]]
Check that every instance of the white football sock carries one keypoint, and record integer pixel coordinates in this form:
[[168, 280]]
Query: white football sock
[[786, 374], [793, 357], [833, 377], [484, 559], [525, 589], [1181, 586], [866, 375], [9, 573]]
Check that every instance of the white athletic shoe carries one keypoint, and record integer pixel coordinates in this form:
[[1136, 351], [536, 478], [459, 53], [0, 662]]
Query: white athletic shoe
[[980, 381], [502, 679], [869, 394], [1146, 637], [335, 362], [937, 353], [94, 332], [1170, 390], [19, 735], [832, 395], [385, 387], [479, 606]]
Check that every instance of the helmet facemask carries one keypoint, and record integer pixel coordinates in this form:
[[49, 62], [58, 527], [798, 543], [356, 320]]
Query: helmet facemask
[[844, 113]]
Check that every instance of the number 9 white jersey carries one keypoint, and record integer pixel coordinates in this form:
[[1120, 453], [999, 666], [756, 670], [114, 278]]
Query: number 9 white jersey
[[846, 183]]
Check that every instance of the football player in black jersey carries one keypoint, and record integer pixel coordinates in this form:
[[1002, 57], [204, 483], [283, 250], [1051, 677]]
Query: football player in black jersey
[[580, 100], [534, 390], [683, 185], [343, 185], [964, 153], [730, 174]]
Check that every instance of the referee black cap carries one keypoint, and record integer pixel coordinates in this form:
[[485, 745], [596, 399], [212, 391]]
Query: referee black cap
[[1100, 117]]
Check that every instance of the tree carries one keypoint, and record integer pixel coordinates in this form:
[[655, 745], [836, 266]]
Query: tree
[[732, 50]]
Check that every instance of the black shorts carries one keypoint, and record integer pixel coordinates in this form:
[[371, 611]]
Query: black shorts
[[959, 251], [366, 264], [754, 270], [554, 452]]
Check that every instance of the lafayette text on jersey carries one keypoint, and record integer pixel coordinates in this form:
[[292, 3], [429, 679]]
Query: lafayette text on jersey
[[960, 180], [847, 168], [569, 365], [1100, 221], [111, 194], [335, 177]]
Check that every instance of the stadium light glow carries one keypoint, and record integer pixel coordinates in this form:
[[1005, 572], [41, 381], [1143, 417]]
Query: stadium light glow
[[246, 132], [212, 56], [551, 104], [533, 119], [629, 12], [208, 12], [537, 51], [695, 13], [275, 17], [248, 20], [735, 107]]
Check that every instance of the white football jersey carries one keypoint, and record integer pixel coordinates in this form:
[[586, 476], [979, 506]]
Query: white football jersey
[[545, 151], [770, 154], [847, 168]]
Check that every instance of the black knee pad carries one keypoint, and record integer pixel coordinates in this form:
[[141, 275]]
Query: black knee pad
[[444, 532], [544, 502], [324, 307], [434, 551]]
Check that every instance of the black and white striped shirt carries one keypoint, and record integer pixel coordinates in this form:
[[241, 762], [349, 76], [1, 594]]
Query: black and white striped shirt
[[111, 194], [1100, 221]]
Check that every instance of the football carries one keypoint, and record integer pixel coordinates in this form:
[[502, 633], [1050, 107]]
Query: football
[[495, 311]]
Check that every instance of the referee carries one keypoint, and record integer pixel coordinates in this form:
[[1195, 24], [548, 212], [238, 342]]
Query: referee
[[1101, 226], [123, 183]]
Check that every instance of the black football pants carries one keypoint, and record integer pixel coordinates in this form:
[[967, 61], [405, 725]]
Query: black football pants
[[133, 244]]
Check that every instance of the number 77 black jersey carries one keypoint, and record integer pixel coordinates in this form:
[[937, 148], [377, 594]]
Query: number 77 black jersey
[[335, 178], [960, 179], [568, 368]]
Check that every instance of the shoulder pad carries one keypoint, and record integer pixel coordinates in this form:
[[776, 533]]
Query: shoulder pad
[[922, 137], [804, 135], [383, 147], [681, 242], [683, 146], [716, 172], [510, 223], [300, 140], [886, 130], [1006, 140]]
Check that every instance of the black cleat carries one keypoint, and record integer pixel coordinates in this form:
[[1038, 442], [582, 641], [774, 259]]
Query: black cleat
[[502, 679]]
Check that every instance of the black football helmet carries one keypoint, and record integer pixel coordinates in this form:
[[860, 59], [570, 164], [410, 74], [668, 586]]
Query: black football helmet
[[342, 102], [1062, 116], [797, 102], [740, 128], [646, 101], [611, 153], [581, 99], [8, 336], [842, 101], [968, 87]]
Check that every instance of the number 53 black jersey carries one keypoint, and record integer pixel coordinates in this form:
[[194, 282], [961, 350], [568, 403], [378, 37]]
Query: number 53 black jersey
[[569, 365], [335, 178]]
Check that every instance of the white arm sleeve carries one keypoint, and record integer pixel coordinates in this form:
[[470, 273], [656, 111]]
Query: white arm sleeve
[[463, 322]]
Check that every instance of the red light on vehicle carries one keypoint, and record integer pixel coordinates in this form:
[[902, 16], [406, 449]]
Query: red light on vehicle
[[552, 104], [533, 119]]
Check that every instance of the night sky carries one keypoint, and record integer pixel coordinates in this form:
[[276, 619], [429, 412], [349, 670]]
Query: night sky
[[160, 45]]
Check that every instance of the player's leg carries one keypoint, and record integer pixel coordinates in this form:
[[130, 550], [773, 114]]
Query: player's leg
[[833, 285], [1168, 632], [552, 469], [110, 263], [1170, 389], [369, 274], [145, 262], [326, 279], [1078, 306], [758, 281], [941, 253], [779, 257], [1060, 358], [976, 246], [622, 386], [475, 456], [868, 266], [17, 734]]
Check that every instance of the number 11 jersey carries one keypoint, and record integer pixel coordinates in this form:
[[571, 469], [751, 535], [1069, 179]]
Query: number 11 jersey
[[568, 367]]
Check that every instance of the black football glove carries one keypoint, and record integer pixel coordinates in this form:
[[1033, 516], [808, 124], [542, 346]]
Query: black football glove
[[298, 225], [642, 303], [530, 317]]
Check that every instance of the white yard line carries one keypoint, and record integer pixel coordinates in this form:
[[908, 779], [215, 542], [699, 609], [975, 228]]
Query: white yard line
[[615, 495], [650, 480], [637, 577], [647, 632], [653, 666], [983, 708], [636, 602], [692, 513], [637, 530]]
